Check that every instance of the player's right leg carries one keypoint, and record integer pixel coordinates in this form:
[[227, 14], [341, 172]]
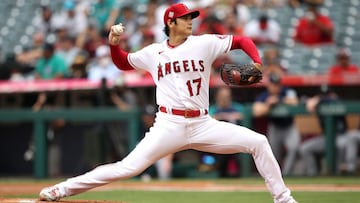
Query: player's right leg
[[227, 138], [164, 138]]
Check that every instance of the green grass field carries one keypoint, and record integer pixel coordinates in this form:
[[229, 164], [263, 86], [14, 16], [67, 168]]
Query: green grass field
[[217, 197], [158, 196]]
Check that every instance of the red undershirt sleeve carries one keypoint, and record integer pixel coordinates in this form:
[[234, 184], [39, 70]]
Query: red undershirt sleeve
[[248, 46], [119, 58]]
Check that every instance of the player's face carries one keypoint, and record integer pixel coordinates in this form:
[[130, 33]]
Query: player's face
[[184, 25]]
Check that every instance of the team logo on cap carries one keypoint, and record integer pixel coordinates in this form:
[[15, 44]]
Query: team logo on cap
[[171, 14]]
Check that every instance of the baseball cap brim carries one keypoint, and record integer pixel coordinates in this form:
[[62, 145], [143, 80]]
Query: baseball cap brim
[[193, 13]]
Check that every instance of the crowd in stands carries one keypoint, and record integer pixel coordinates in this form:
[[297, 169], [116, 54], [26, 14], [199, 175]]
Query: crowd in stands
[[79, 28]]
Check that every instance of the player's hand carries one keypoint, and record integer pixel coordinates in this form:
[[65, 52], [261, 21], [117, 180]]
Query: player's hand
[[115, 34]]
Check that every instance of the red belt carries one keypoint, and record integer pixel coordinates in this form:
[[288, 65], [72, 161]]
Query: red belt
[[188, 113]]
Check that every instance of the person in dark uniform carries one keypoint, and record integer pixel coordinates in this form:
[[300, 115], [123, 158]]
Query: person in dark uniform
[[282, 133], [314, 147]]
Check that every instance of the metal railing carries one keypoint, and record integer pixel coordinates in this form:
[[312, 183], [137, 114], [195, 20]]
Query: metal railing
[[40, 118]]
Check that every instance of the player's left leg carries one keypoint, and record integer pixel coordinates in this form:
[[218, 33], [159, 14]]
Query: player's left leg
[[226, 138], [165, 137]]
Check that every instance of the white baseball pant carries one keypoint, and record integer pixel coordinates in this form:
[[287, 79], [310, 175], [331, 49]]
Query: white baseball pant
[[171, 134]]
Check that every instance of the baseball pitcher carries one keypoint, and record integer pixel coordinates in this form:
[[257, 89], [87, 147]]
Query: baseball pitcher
[[180, 67]]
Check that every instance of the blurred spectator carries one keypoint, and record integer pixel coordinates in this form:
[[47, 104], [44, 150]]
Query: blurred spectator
[[263, 30], [148, 38], [225, 109], [44, 22], [314, 28], [343, 63], [90, 40], [136, 39], [67, 50], [148, 117], [78, 67], [149, 17], [351, 151], [207, 8], [83, 6], [298, 3], [240, 11], [50, 65], [15, 70], [232, 25], [102, 67], [295, 3], [113, 134], [155, 15], [49, 100], [104, 13], [211, 25], [282, 133], [129, 19], [72, 20], [315, 2], [266, 4], [271, 62], [314, 147], [121, 96], [210, 19], [124, 99], [29, 56], [4, 71]]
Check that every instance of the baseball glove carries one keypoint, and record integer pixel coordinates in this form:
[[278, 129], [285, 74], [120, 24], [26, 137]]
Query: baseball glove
[[240, 74]]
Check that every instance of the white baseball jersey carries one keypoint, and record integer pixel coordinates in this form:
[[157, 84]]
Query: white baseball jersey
[[182, 73]]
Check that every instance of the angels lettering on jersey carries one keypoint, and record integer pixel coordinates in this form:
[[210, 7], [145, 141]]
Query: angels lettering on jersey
[[179, 67]]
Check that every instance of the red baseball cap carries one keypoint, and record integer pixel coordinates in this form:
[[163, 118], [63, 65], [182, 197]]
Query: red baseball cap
[[179, 10]]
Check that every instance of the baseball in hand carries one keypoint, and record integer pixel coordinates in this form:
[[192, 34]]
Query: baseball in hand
[[118, 29]]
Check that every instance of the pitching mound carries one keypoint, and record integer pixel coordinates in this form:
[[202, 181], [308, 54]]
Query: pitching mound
[[23, 200]]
